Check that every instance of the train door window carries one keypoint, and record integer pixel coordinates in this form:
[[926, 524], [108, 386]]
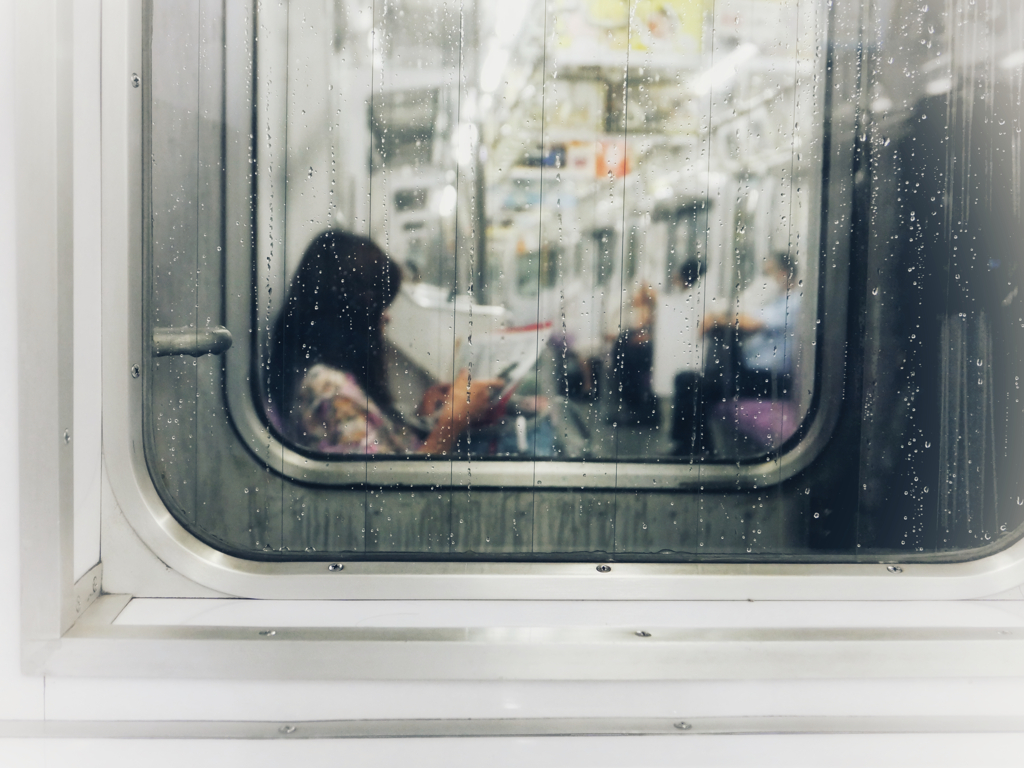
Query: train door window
[[642, 279], [747, 257], [606, 251], [685, 244], [537, 269]]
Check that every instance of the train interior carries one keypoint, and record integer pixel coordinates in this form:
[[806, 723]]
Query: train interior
[[750, 267], [601, 186]]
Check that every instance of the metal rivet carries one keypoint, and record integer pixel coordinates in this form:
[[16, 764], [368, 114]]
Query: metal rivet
[[336, 567], [893, 569], [603, 568], [682, 726], [642, 633], [268, 632], [287, 729], [67, 437], [136, 80], [136, 371]]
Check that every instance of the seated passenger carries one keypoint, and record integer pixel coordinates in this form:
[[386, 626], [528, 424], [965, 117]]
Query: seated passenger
[[327, 379], [755, 379], [633, 359], [767, 315]]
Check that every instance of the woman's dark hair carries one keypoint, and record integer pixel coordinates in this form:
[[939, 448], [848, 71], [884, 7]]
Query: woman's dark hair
[[332, 315]]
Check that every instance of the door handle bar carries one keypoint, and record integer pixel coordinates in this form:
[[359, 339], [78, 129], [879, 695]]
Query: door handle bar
[[191, 341]]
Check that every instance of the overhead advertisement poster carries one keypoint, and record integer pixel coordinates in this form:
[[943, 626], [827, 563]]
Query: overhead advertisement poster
[[599, 31]]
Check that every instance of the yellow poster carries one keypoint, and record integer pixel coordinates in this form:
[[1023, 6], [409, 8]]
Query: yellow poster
[[671, 26], [596, 28]]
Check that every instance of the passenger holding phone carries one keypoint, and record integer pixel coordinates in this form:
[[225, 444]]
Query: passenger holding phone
[[327, 377]]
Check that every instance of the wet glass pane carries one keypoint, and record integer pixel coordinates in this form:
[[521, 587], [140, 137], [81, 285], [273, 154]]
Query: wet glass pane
[[608, 210], [563, 278]]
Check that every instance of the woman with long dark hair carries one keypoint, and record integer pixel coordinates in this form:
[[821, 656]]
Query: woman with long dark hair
[[327, 373]]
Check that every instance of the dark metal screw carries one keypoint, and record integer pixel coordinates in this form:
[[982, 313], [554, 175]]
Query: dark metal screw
[[67, 437], [136, 80], [603, 568], [682, 726], [894, 569], [136, 371], [642, 633], [268, 632], [336, 567]]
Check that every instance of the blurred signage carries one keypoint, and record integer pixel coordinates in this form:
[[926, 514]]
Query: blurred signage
[[600, 159], [771, 25], [592, 30]]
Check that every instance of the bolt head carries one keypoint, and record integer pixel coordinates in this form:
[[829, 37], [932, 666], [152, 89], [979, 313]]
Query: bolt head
[[894, 569], [642, 633], [136, 371], [335, 567], [681, 726], [136, 80], [286, 729], [603, 568]]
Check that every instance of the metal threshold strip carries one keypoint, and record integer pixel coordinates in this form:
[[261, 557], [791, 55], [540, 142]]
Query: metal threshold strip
[[496, 728], [97, 647]]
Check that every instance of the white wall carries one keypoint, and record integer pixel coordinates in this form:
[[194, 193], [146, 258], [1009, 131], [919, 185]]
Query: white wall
[[935, 751], [22, 698]]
